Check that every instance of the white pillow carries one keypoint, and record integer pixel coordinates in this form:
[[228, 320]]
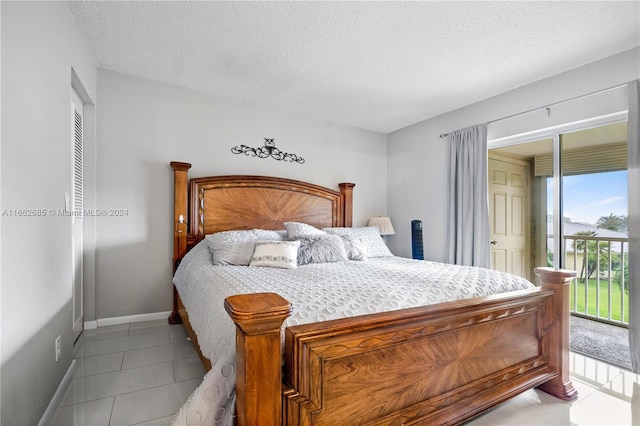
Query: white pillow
[[370, 237], [276, 254], [355, 247], [237, 247], [297, 230]]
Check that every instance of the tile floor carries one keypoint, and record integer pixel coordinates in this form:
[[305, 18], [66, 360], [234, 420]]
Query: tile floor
[[130, 374], [607, 395], [141, 373]]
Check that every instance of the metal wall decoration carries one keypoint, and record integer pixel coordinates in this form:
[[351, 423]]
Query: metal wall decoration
[[268, 150]]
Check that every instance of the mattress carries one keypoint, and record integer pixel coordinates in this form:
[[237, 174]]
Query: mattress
[[318, 292]]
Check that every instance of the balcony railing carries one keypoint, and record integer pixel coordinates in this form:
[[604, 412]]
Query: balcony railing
[[601, 289]]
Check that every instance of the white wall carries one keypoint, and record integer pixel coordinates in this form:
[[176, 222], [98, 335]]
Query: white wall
[[40, 45], [417, 156], [143, 125]]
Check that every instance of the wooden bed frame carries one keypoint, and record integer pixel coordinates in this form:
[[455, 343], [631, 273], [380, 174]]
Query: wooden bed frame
[[439, 365]]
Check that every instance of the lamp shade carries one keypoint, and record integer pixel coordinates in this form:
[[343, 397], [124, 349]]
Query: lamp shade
[[384, 225]]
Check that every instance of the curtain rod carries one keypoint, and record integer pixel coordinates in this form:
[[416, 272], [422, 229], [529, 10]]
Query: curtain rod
[[548, 106]]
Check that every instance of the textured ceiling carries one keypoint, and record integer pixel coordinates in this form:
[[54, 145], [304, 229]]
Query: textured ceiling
[[374, 65]]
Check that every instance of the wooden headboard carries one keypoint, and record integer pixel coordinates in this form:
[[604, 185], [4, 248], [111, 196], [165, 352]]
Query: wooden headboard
[[223, 203]]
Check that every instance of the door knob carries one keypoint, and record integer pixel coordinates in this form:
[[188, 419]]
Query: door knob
[[494, 242]]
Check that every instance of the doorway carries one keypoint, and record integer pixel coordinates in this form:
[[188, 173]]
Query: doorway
[[509, 199]]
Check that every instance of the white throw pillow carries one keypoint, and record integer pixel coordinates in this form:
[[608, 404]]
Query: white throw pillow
[[297, 230], [276, 254], [237, 247], [370, 237], [355, 248]]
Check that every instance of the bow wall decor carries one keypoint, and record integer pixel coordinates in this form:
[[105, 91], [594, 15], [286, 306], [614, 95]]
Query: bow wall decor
[[268, 150]]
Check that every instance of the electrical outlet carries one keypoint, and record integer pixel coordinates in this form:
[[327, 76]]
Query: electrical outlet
[[58, 348]]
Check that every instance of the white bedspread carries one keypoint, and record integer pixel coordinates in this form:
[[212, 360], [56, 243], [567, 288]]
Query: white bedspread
[[318, 292]]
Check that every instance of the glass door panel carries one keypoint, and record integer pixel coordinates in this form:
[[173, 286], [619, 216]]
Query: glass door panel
[[594, 221]]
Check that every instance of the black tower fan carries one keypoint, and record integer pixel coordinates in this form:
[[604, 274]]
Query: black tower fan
[[417, 250]]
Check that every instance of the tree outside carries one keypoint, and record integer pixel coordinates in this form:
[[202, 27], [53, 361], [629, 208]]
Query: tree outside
[[613, 222], [594, 254]]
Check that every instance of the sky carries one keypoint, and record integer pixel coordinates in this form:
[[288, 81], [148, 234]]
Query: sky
[[589, 197]]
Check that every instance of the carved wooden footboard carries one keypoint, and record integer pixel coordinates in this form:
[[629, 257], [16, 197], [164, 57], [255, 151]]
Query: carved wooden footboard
[[436, 365]]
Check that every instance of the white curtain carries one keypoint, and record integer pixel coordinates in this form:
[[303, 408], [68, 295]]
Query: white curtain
[[468, 226], [633, 136]]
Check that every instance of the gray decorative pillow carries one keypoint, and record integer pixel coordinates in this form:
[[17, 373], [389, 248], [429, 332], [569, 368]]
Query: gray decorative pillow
[[296, 230], [355, 247], [237, 247], [321, 249], [370, 237]]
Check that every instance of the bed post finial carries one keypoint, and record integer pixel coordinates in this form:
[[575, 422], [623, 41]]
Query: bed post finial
[[258, 318], [557, 321], [346, 189], [180, 220]]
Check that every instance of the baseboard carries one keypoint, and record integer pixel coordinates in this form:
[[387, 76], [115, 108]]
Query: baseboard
[[103, 322], [90, 325], [47, 417]]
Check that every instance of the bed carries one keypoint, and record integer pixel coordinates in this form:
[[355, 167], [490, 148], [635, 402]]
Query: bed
[[441, 363]]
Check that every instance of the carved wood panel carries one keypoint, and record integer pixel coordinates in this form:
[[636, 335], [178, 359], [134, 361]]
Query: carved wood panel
[[394, 371], [248, 202]]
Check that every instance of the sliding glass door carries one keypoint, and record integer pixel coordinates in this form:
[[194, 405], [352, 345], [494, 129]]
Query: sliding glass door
[[543, 191], [577, 202]]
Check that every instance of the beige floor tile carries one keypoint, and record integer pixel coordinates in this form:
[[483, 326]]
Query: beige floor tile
[[98, 364], [587, 415], [123, 343], [149, 404], [163, 421], [149, 324], [517, 411], [92, 413], [612, 403], [186, 369], [158, 354], [89, 388], [178, 334], [106, 332]]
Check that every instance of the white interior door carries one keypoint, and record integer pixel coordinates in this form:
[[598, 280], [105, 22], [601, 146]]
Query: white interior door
[[509, 213], [76, 205]]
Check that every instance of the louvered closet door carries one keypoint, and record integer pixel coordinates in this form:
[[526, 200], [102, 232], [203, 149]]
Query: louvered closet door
[[77, 208]]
